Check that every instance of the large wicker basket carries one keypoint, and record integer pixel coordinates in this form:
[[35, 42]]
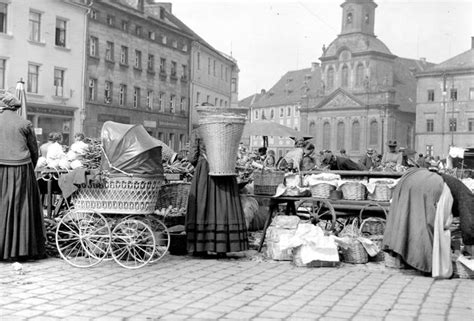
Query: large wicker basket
[[353, 191], [355, 253], [266, 182], [221, 130], [322, 190], [174, 194], [381, 193], [120, 195]]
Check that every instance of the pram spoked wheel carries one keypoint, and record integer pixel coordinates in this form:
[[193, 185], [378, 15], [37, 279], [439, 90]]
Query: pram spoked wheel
[[83, 238], [133, 243]]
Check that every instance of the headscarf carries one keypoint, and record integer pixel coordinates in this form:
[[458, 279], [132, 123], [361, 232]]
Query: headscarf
[[8, 101]]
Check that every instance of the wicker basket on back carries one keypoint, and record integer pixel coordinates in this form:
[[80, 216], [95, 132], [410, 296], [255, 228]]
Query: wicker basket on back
[[221, 130], [120, 195]]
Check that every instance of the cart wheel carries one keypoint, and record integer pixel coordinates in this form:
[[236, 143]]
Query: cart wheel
[[133, 243], [162, 238], [83, 238], [319, 211]]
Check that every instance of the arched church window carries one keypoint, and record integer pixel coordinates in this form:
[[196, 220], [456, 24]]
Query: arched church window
[[345, 76], [367, 18], [355, 135], [340, 135], [359, 75], [374, 133], [349, 18], [312, 128], [330, 76], [326, 135]]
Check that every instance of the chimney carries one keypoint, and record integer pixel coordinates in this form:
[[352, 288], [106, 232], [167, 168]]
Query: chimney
[[423, 60], [166, 5], [158, 9], [314, 65], [472, 42], [263, 92]]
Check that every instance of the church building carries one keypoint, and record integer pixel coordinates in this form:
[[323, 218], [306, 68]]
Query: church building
[[368, 94]]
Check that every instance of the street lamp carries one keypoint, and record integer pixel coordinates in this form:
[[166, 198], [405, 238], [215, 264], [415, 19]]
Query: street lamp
[[383, 112]]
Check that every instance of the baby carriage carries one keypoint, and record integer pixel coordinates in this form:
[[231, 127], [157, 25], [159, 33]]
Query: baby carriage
[[113, 218]]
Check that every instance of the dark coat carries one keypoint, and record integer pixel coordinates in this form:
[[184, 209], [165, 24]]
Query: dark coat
[[463, 207], [18, 144]]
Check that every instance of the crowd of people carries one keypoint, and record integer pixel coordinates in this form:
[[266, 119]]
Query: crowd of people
[[304, 157]]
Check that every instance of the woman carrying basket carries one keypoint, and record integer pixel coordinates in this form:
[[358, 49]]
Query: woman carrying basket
[[215, 222]]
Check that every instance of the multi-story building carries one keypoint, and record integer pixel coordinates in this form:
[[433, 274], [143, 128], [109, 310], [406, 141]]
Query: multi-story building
[[43, 43], [368, 94], [214, 75], [138, 65], [445, 105], [282, 104]]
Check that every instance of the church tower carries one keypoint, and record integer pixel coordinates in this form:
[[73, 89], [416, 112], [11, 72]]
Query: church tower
[[358, 17]]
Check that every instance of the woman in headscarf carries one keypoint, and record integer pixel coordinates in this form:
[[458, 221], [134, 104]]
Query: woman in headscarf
[[22, 232], [215, 221]]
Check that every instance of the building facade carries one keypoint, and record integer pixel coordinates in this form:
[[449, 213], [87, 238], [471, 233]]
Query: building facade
[[214, 75], [445, 105], [282, 104], [138, 70], [368, 94], [43, 43]]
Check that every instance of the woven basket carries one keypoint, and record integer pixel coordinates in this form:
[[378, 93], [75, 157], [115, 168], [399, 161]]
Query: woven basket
[[355, 253], [266, 182], [372, 226], [322, 190], [353, 191], [120, 195], [174, 194], [381, 193], [221, 130]]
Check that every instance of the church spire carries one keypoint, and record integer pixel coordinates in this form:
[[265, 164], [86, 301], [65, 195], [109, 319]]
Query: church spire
[[358, 16]]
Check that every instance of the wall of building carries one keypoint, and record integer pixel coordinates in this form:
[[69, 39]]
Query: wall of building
[[170, 126], [51, 108], [209, 84], [441, 110]]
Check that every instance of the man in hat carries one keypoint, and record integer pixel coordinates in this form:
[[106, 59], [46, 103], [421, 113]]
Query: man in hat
[[369, 160], [392, 157]]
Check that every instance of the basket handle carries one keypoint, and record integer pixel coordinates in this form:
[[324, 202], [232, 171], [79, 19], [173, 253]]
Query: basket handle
[[372, 204]]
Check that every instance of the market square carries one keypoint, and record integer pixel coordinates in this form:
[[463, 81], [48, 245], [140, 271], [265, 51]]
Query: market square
[[292, 164]]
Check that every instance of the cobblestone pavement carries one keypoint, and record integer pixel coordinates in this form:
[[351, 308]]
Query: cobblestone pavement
[[178, 288]]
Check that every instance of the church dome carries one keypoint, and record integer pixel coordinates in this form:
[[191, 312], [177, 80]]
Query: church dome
[[355, 43]]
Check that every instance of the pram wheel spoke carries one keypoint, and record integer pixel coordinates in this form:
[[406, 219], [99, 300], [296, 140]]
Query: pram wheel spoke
[[83, 238], [133, 243]]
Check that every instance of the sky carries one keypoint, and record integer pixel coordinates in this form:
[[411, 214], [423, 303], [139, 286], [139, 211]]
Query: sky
[[269, 38]]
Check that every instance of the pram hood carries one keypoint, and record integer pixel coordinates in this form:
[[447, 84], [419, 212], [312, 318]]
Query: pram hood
[[129, 148]]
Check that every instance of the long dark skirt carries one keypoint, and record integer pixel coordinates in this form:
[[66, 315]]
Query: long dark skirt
[[22, 233], [215, 219]]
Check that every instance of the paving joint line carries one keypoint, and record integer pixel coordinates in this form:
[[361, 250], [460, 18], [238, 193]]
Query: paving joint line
[[347, 292], [398, 296]]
